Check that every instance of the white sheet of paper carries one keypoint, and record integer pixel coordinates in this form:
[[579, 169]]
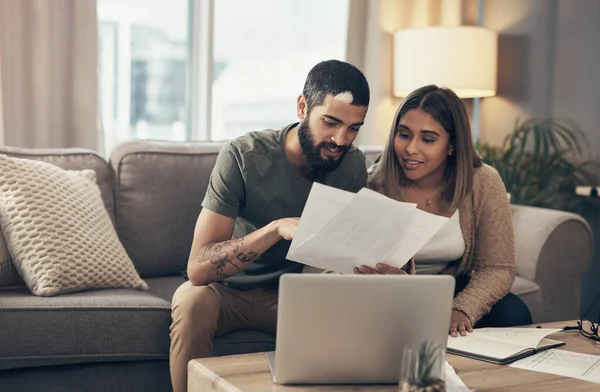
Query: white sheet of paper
[[358, 234], [563, 363], [453, 382], [322, 204], [367, 229]]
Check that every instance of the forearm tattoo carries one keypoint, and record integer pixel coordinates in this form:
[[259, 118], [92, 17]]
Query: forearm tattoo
[[218, 255], [246, 258]]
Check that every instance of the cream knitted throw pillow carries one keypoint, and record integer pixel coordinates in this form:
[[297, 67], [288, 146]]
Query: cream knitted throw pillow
[[58, 231], [8, 272]]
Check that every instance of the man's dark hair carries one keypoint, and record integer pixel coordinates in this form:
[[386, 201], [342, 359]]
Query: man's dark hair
[[335, 77]]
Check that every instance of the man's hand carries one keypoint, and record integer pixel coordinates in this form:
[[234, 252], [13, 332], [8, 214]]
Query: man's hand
[[380, 268], [459, 323], [286, 227]]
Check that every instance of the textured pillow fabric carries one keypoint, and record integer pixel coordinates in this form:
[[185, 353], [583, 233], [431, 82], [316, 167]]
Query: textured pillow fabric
[[59, 233], [8, 273]]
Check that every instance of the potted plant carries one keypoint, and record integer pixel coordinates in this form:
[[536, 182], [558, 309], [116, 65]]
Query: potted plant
[[422, 369], [541, 162]]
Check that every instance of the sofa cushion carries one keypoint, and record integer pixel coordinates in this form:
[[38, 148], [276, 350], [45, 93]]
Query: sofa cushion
[[159, 187], [72, 159], [91, 326], [522, 286], [371, 153], [165, 287], [58, 231]]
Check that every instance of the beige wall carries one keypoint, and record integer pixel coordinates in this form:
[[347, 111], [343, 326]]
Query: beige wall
[[525, 64], [549, 57], [382, 17], [577, 67]]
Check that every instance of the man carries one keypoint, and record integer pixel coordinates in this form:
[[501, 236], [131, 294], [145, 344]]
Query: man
[[257, 191]]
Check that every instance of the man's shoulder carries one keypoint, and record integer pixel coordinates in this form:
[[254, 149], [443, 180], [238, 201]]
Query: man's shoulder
[[354, 158], [357, 152], [256, 142]]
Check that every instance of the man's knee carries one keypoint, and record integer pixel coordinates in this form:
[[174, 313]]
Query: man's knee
[[195, 306]]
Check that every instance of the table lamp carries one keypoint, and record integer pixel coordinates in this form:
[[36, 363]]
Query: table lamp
[[463, 58]]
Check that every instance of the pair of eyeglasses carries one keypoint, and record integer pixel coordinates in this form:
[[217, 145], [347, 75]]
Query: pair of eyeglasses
[[587, 329]]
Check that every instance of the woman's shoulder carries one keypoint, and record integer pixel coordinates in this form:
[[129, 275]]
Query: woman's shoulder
[[486, 175], [487, 180]]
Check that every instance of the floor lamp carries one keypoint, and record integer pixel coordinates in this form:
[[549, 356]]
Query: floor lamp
[[463, 58]]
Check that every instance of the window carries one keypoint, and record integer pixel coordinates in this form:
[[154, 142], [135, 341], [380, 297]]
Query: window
[[157, 58], [144, 57]]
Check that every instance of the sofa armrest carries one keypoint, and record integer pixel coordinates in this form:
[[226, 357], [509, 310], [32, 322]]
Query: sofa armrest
[[553, 249]]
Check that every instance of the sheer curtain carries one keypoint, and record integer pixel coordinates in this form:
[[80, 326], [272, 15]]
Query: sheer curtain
[[370, 47], [1, 117], [49, 73]]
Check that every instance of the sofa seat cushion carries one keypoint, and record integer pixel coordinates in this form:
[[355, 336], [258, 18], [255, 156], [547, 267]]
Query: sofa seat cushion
[[165, 286], [90, 326]]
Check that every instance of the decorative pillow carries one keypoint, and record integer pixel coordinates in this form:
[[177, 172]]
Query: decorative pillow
[[8, 273], [59, 233]]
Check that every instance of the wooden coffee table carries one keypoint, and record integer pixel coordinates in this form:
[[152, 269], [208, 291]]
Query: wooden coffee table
[[250, 373]]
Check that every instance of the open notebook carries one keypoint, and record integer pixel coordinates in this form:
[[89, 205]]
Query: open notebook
[[502, 345]]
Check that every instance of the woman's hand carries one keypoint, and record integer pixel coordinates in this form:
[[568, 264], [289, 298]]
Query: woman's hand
[[459, 323], [381, 268]]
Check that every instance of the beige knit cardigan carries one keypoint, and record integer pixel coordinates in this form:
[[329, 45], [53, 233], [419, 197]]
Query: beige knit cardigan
[[489, 258]]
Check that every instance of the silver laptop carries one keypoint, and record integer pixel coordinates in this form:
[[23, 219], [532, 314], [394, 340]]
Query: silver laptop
[[350, 329]]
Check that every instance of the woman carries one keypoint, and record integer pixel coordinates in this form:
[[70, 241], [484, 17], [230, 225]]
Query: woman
[[429, 160]]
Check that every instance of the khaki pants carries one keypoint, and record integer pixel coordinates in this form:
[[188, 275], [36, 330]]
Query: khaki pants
[[201, 313]]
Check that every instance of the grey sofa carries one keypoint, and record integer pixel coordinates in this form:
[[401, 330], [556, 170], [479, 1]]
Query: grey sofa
[[118, 340]]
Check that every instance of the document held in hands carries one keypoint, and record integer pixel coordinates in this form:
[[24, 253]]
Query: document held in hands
[[502, 345], [340, 230]]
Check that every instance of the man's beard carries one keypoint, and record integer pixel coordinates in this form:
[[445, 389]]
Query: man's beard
[[313, 153]]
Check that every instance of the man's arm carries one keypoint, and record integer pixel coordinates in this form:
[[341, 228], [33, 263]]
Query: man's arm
[[215, 256]]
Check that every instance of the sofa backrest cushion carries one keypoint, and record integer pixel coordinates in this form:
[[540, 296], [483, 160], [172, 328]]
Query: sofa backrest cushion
[[371, 153], [72, 159], [159, 188]]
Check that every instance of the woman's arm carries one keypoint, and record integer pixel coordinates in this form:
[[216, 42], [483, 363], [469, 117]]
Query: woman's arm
[[493, 261]]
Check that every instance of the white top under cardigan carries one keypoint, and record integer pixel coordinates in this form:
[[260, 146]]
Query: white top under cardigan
[[447, 245]]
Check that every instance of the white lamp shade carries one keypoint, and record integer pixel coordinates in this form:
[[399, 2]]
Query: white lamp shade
[[463, 58]]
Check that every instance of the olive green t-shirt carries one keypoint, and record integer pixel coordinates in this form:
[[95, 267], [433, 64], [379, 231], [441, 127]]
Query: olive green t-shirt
[[254, 183]]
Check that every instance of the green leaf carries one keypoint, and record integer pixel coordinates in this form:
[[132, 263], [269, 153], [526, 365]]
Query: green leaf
[[542, 161]]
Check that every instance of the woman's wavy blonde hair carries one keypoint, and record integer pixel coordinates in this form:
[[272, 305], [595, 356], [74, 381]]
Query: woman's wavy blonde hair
[[386, 175]]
